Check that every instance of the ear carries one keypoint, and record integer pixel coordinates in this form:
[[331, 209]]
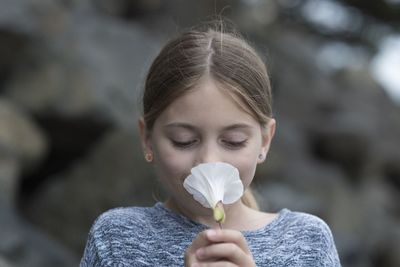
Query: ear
[[268, 133], [144, 136]]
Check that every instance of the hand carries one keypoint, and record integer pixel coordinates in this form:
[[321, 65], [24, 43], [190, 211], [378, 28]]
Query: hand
[[219, 248]]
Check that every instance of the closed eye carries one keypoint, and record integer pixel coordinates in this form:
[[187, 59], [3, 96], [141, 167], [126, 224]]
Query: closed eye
[[184, 145], [234, 144]]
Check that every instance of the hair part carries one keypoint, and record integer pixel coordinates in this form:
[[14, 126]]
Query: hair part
[[224, 58]]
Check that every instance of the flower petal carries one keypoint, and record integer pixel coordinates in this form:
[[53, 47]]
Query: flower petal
[[191, 184], [210, 183]]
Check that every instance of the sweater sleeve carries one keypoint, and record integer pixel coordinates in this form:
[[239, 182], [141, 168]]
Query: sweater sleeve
[[90, 256], [309, 242], [327, 255], [97, 250], [113, 240]]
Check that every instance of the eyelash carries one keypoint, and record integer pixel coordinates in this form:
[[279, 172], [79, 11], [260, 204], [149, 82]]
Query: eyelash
[[235, 145], [229, 144], [184, 145]]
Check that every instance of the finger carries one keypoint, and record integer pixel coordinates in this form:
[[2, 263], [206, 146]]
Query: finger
[[228, 236], [227, 251], [201, 240]]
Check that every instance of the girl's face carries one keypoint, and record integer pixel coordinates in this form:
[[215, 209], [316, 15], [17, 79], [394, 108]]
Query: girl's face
[[204, 125]]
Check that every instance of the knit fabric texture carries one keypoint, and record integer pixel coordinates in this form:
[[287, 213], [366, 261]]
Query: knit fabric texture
[[156, 236]]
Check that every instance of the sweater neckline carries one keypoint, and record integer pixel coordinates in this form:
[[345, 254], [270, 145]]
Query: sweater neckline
[[281, 214]]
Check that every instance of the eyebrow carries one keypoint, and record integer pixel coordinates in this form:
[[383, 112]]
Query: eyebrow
[[181, 125], [194, 128], [237, 126]]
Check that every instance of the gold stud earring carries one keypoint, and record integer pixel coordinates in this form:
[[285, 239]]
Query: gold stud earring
[[148, 157]]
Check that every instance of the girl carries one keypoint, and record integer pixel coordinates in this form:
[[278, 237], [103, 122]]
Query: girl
[[207, 99]]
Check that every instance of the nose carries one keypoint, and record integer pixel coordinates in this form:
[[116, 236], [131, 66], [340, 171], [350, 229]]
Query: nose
[[209, 152]]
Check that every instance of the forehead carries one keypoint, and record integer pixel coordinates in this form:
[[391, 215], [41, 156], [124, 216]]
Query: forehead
[[208, 102]]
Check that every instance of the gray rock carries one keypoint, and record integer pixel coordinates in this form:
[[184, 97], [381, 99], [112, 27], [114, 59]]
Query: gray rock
[[22, 147], [32, 17], [19, 136], [9, 172], [23, 245], [361, 221], [128, 9], [5, 263], [114, 174], [94, 66]]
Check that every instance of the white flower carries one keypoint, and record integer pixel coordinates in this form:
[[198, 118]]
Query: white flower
[[212, 183]]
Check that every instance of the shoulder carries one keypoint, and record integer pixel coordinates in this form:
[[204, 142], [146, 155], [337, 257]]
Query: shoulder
[[119, 222], [115, 233], [304, 228], [304, 223], [132, 236], [311, 235], [123, 217]]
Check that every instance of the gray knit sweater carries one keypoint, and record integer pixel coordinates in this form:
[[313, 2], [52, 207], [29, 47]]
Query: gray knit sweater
[[156, 236]]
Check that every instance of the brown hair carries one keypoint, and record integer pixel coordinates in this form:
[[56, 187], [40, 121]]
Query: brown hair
[[221, 56]]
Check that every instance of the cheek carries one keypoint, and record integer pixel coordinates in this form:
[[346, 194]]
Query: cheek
[[172, 166], [246, 162], [247, 169]]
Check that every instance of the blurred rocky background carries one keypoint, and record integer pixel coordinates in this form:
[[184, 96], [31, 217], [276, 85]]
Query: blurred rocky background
[[71, 75]]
